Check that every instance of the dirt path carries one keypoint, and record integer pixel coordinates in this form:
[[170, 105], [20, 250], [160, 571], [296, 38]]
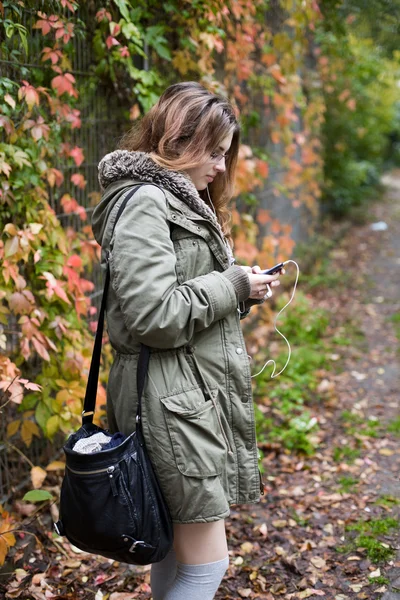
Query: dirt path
[[354, 476]]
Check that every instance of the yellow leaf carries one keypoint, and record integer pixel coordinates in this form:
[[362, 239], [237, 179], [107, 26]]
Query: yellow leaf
[[3, 550], [10, 539], [11, 246], [28, 430], [38, 475], [247, 547], [279, 523], [10, 100], [13, 427], [11, 229], [318, 562], [55, 465], [386, 452], [53, 425]]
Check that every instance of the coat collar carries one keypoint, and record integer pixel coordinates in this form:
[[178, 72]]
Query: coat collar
[[123, 164]]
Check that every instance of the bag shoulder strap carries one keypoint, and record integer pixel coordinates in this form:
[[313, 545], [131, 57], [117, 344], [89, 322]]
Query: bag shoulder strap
[[91, 387]]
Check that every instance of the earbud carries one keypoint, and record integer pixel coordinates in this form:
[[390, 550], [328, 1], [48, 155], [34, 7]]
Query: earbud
[[268, 295]]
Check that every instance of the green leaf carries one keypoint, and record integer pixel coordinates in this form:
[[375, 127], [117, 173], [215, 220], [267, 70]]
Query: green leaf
[[37, 496], [24, 41], [123, 8], [42, 415], [161, 49], [52, 425]]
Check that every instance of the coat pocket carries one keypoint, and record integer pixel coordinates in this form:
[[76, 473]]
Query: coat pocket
[[195, 433]]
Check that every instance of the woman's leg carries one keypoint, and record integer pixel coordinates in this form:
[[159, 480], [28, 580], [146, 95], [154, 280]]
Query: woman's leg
[[199, 543], [163, 575], [202, 559]]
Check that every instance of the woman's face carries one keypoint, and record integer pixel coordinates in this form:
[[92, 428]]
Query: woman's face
[[208, 171]]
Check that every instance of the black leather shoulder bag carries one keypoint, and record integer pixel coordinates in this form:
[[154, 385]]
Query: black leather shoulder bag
[[111, 503]]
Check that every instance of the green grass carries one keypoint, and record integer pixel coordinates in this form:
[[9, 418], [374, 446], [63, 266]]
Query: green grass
[[289, 422], [355, 424], [387, 501], [378, 526], [347, 484], [376, 552], [381, 580], [394, 427], [395, 319], [368, 532], [346, 454]]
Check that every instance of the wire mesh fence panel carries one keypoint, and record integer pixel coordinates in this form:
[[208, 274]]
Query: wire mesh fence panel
[[102, 124]]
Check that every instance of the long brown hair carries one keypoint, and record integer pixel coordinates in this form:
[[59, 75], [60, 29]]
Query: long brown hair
[[182, 130]]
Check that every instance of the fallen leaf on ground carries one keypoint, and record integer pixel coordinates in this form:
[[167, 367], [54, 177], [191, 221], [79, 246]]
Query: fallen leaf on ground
[[245, 592]]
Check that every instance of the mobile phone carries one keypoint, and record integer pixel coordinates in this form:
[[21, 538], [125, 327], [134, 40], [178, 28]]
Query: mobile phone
[[274, 270]]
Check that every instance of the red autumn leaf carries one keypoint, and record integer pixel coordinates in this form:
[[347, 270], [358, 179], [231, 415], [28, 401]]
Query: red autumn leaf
[[86, 285], [40, 129], [134, 112], [29, 93], [14, 389], [70, 205], [43, 24], [51, 54], [263, 216], [54, 177], [73, 117], [64, 84], [103, 14], [46, 23], [34, 387], [75, 262], [19, 303], [77, 154], [78, 180], [263, 168], [72, 6], [114, 28], [40, 349], [124, 52], [66, 33], [276, 73], [111, 41], [54, 286], [7, 124]]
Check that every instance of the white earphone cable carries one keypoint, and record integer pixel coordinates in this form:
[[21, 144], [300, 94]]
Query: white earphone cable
[[271, 360]]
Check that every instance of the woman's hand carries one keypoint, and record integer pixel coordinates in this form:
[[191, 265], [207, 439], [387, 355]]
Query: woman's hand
[[258, 282]]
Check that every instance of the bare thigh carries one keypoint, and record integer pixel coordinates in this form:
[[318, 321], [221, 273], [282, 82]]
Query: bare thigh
[[200, 543]]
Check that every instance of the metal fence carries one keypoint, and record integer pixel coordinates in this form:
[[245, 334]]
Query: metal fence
[[102, 125]]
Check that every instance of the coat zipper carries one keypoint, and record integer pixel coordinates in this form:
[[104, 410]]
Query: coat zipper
[[109, 470]]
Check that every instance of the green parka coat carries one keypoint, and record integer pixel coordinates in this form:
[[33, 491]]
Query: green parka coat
[[173, 288]]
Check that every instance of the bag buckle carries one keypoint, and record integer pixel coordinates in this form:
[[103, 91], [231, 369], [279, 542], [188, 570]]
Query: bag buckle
[[89, 412], [135, 543], [133, 547]]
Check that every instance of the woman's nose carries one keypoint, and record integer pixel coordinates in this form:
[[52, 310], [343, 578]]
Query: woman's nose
[[220, 166]]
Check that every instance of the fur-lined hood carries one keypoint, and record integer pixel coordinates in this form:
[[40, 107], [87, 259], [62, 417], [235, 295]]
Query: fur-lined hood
[[139, 166]]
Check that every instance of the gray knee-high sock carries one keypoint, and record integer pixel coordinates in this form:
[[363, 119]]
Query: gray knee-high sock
[[197, 582], [163, 575]]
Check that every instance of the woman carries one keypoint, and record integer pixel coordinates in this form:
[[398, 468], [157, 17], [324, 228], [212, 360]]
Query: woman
[[175, 288]]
